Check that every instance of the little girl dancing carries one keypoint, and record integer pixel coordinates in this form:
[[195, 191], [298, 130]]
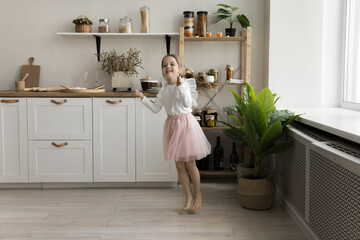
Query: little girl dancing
[[184, 140]]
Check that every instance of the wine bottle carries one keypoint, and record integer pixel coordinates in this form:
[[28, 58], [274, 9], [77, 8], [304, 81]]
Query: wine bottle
[[218, 154], [234, 158]]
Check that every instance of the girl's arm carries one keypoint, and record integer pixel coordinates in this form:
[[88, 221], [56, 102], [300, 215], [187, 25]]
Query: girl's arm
[[155, 107], [184, 93]]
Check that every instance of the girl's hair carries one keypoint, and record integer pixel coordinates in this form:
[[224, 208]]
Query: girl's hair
[[177, 59]]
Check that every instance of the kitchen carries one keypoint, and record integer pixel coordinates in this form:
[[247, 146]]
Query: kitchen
[[55, 207]]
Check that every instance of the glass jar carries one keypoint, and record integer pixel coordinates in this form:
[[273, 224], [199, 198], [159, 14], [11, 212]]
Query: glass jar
[[201, 76], [104, 26], [229, 72], [201, 23], [125, 25], [188, 23], [197, 115], [210, 120], [145, 19], [210, 111], [215, 73]]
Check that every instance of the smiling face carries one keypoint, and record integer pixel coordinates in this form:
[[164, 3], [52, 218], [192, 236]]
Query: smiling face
[[170, 69]]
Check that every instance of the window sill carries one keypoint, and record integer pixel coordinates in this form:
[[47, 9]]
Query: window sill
[[344, 123]]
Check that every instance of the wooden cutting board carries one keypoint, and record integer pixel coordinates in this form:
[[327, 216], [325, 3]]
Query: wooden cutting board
[[34, 74]]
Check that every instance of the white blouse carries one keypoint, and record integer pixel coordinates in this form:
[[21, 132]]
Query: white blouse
[[177, 100]]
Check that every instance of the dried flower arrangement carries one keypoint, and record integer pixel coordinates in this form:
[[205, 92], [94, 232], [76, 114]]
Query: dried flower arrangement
[[126, 62], [82, 20]]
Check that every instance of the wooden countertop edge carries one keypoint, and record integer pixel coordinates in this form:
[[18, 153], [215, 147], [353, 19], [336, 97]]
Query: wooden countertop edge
[[62, 94]]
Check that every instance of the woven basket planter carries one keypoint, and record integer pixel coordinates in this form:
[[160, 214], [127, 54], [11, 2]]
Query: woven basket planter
[[256, 194], [83, 28]]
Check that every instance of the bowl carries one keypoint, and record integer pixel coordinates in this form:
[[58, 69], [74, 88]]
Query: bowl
[[147, 84]]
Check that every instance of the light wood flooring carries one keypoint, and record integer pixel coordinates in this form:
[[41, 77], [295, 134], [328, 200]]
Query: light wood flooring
[[138, 214]]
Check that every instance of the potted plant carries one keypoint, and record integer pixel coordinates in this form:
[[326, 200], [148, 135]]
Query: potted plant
[[259, 128], [122, 67], [82, 24], [225, 12], [243, 20]]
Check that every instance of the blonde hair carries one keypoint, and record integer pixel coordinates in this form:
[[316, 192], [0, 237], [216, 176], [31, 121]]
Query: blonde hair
[[177, 59]]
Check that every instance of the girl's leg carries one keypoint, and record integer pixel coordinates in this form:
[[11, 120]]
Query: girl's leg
[[195, 179], [184, 180]]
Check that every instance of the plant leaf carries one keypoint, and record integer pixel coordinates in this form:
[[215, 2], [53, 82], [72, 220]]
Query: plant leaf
[[265, 99], [243, 20], [222, 11], [279, 147], [220, 17], [223, 5], [251, 137], [240, 103], [256, 115], [271, 134]]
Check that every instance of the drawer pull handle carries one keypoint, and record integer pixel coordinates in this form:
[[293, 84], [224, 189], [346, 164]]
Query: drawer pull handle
[[10, 101], [59, 145], [113, 102], [60, 102]]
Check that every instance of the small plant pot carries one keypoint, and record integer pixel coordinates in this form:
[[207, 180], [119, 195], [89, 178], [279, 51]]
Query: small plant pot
[[230, 32], [83, 28], [121, 81]]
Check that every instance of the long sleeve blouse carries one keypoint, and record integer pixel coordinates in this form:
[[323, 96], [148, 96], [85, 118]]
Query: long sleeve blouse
[[177, 100]]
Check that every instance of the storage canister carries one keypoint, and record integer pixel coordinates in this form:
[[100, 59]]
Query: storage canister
[[104, 26], [215, 73], [188, 23], [145, 19], [210, 111], [125, 25], [229, 72], [201, 23]]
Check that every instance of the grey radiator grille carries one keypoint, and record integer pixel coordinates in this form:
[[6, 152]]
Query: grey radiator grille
[[334, 204], [309, 133], [344, 149], [292, 182], [267, 166]]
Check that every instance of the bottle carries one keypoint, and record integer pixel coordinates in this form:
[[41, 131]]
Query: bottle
[[218, 154], [234, 158], [202, 23], [145, 19], [104, 26]]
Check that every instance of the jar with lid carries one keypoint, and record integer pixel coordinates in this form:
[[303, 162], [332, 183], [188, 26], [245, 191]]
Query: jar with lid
[[145, 19], [201, 23], [201, 76], [188, 23], [210, 111], [125, 25], [104, 26], [215, 73], [229, 72]]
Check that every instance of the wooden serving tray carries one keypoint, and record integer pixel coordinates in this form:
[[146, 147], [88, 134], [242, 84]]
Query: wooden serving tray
[[89, 90]]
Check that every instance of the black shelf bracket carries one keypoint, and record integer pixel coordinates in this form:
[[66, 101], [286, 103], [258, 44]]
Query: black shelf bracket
[[98, 44], [168, 41]]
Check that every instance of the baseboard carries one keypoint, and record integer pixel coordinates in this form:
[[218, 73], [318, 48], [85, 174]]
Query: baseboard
[[298, 219], [90, 185]]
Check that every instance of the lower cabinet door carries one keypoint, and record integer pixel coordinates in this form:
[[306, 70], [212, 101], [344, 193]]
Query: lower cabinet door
[[114, 139], [60, 161], [150, 163]]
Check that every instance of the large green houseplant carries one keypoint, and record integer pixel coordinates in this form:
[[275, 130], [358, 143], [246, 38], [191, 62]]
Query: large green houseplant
[[259, 127], [260, 124]]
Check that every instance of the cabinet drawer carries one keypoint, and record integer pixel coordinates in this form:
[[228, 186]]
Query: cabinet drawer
[[60, 161], [59, 118]]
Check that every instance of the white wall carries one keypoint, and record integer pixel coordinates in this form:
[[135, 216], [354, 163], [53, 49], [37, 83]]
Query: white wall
[[28, 29], [305, 54]]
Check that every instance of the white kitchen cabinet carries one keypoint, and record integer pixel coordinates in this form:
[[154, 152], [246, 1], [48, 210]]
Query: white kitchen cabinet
[[60, 161], [114, 139], [59, 118], [150, 163], [13, 140]]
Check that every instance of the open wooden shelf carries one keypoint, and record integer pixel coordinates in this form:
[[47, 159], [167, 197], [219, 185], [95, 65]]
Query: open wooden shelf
[[219, 39], [215, 173]]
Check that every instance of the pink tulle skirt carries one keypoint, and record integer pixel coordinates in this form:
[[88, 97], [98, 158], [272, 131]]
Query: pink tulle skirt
[[184, 139]]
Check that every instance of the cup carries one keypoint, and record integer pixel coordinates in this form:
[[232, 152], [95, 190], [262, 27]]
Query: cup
[[19, 86]]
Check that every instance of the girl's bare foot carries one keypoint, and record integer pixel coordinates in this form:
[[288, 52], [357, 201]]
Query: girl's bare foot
[[197, 202], [187, 203]]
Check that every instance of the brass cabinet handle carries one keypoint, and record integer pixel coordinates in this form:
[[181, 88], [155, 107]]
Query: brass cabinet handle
[[113, 102], [59, 145], [10, 101], [60, 102]]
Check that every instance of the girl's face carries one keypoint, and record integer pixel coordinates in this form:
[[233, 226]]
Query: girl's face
[[170, 69]]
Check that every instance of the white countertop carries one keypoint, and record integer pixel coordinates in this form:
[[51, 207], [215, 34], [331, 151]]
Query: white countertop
[[338, 121]]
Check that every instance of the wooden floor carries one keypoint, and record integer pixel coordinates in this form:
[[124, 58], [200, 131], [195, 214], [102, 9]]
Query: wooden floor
[[137, 213]]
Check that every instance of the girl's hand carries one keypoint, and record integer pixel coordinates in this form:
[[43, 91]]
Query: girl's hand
[[178, 81], [139, 94]]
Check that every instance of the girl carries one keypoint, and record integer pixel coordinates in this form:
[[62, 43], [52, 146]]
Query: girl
[[184, 140]]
